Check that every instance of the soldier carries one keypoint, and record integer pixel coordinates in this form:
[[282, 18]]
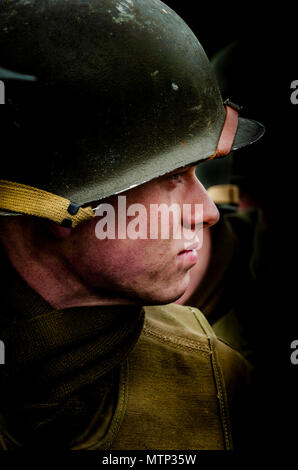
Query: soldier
[[124, 101]]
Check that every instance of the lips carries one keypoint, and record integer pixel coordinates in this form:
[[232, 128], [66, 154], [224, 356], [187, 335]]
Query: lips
[[189, 257], [190, 248]]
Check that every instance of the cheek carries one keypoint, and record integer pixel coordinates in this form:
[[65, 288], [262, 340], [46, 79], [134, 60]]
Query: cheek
[[129, 260], [125, 262], [119, 258]]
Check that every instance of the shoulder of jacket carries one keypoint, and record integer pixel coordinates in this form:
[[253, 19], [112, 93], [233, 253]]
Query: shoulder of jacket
[[177, 324], [185, 325]]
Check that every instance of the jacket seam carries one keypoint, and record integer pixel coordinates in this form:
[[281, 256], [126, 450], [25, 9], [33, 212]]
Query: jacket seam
[[219, 381], [176, 341]]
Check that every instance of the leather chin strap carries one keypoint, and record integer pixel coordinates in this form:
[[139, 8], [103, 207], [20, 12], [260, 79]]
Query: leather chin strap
[[227, 136]]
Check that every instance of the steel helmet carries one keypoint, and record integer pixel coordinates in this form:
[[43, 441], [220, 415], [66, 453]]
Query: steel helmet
[[124, 93]]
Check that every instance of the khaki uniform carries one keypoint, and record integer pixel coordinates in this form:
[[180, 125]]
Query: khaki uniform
[[174, 388]]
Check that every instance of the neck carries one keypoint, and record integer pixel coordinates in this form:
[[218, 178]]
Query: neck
[[38, 259]]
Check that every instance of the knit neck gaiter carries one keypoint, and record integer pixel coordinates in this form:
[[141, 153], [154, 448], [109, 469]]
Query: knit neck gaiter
[[61, 366]]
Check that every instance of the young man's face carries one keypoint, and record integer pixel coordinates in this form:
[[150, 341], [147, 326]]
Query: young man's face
[[145, 271]]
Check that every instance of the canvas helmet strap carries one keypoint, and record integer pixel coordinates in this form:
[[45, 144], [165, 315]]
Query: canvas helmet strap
[[28, 200]]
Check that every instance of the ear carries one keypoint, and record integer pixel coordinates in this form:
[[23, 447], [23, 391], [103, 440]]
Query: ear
[[58, 231]]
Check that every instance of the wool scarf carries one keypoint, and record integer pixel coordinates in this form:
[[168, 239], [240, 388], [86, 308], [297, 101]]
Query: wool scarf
[[61, 366]]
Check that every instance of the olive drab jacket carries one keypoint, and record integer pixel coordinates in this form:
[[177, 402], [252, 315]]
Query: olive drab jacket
[[177, 388]]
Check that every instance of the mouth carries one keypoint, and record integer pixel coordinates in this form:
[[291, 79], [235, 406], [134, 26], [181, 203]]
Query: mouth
[[190, 254], [190, 249]]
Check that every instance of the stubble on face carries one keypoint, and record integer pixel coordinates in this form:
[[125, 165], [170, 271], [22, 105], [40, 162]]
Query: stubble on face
[[146, 271]]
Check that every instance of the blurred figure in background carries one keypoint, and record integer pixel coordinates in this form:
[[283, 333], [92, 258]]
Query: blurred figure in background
[[228, 284], [224, 285]]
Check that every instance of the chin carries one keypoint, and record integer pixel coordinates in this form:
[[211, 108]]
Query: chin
[[160, 293], [165, 298]]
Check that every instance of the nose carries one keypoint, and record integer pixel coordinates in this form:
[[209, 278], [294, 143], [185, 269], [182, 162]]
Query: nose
[[209, 215]]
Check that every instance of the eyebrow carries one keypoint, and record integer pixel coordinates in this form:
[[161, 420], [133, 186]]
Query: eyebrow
[[182, 168]]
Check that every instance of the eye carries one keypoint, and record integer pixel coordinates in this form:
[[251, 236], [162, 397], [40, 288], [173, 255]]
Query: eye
[[180, 175], [175, 177]]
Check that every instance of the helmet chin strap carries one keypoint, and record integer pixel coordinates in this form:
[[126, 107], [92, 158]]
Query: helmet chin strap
[[227, 136], [27, 200]]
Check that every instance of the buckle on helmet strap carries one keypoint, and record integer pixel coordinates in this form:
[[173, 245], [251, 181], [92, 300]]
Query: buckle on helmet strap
[[229, 130]]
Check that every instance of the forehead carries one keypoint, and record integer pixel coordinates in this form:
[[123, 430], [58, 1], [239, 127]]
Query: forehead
[[182, 169], [146, 188], [151, 187]]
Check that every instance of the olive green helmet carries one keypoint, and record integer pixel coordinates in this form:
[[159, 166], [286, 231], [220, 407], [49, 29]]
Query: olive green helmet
[[124, 93]]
